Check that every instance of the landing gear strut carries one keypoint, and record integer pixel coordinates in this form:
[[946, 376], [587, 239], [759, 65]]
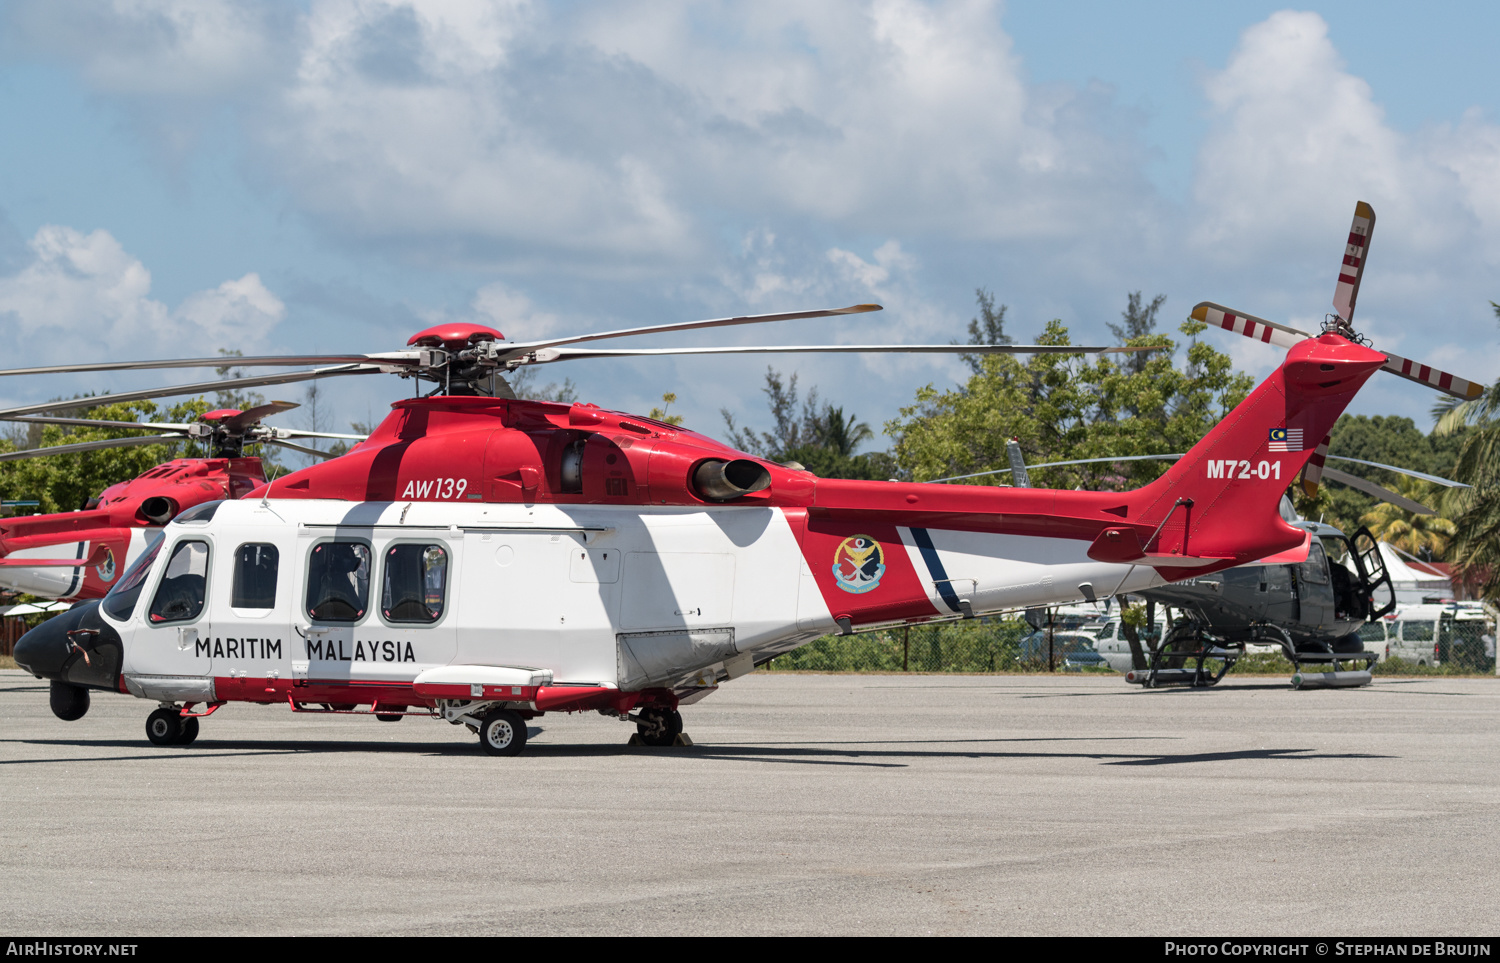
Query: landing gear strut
[[1187, 656], [167, 727]]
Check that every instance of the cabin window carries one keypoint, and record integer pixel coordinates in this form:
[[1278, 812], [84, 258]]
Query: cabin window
[[1314, 569], [338, 581], [179, 597], [416, 583], [255, 576], [1416, 631], [120, 601]]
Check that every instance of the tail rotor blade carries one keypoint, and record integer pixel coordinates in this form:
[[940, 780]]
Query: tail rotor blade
[[1312, 472], [1259, 329], [1432, 377], [1355, 254]]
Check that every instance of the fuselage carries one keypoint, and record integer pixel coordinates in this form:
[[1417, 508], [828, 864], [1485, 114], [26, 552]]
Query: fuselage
[[79, 555], [671, 598]]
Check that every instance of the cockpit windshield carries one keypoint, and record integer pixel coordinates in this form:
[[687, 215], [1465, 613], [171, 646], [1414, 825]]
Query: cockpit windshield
[[120, 601]]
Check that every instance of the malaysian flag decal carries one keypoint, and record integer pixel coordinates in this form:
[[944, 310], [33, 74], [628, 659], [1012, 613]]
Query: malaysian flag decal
[[1286, 439]]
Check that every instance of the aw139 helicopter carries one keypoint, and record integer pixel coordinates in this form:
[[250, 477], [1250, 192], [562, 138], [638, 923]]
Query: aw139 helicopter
[[486, 560], [77, 555]]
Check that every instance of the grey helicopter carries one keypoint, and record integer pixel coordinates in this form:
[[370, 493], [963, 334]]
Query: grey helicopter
[[1310, 604], [1313, 604]]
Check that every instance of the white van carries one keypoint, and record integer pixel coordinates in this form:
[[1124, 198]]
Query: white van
[[1461, 633]]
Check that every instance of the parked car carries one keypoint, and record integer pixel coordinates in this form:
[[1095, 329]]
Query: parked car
[[1443, 633], [1070, 650]]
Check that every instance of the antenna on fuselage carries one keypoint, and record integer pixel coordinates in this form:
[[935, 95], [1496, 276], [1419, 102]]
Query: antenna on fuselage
[[1019, 477]]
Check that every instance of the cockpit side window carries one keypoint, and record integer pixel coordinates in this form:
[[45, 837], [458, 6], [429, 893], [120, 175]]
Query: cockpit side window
[[338, 581], [120, 601], [1314, 568], [179, 597], [415, 584], [255, 567]]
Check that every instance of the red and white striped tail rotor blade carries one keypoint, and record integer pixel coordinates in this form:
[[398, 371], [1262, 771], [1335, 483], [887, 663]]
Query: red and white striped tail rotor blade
[[1312, 472], [1353, 268], [1269, 332], [1431, 377]]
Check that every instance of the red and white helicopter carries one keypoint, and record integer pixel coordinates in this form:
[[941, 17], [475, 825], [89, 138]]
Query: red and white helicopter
[[78, 555], [486, 560]]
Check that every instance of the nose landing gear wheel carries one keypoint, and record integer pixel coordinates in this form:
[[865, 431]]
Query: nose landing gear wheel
[[502, 733], [164, 727], [659, 727]]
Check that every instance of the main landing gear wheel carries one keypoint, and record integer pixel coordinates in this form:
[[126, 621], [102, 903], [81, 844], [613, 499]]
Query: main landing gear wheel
[[502, 733], [164, 727], [189, 731], [659, 727]]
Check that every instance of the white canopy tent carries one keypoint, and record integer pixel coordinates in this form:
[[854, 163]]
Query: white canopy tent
[[1414, 580]]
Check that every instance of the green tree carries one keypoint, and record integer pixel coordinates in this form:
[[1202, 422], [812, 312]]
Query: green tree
[[1139, 322], [1064, 407], [1476, 546], [987, 328], [67, 482], [819, 437], [525, 383], [660, 414]]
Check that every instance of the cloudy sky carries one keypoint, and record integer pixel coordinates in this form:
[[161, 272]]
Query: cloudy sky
[[178, 177]]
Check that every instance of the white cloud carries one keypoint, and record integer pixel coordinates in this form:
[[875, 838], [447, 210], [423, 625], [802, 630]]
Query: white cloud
[[513, 314], [617, 136], [1297, 139], [80, 296], [182, 49]]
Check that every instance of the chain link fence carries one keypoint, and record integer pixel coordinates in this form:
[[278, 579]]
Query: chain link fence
[[973, 645]]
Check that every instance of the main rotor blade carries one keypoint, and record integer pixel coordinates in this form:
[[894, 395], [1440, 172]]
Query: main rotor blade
[[1403, 471], [95, 423], [1346, 292], [548, 355], [245, 419], [88, 446], [1379, 491], [1057, 464], [1216, 315], [516, 348], [223, 361], [299, 433], [305, 451], [202, 387]]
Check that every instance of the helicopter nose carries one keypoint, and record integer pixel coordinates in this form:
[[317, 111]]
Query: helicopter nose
[[44, 650]]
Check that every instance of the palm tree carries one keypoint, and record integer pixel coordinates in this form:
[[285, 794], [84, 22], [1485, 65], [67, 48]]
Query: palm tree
[[841, 434], [1476, 546], [1425, 536]]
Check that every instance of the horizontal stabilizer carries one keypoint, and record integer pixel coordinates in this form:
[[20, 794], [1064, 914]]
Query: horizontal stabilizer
[[99, 556]]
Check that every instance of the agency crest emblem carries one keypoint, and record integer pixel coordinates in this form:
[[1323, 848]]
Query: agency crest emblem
[[106, 568], [858, 564]]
